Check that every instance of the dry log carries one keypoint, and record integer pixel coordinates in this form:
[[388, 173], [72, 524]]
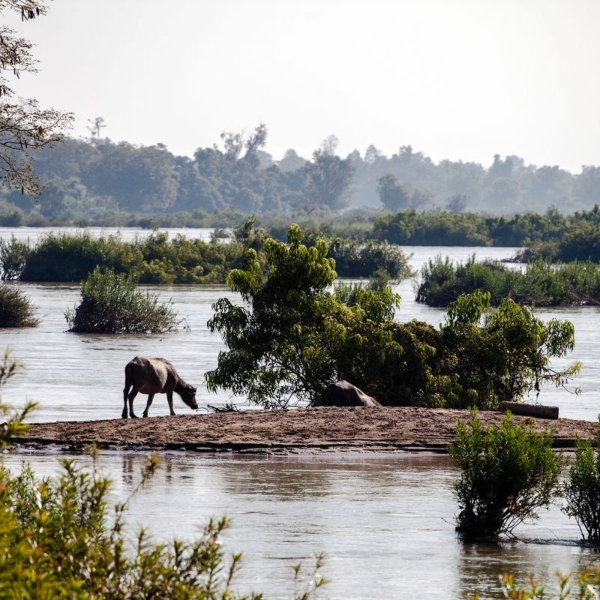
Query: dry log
[[531, 410]]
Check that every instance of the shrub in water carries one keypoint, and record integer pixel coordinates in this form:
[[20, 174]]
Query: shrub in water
[[15, 308], [507, 474], [110, 303], [13, 257], [68, 257], [541, 284], [582, 489]]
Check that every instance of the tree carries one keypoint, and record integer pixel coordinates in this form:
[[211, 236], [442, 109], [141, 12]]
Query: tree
[[373, 154], [275, 352], [24, 125], [457, 203], [294, 337], [329, 179], [393, 195], [95, 127], [291, 161]]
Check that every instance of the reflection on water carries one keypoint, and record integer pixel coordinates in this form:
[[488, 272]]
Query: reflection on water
[[79, 377], [385, 523]]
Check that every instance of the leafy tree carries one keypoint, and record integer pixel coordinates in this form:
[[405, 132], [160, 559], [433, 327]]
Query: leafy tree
[[457, 203], [392, 194], [24, 125], [329, 179], [507, 474], [291, 161], [274, 350], [295, 336], [138, 178]]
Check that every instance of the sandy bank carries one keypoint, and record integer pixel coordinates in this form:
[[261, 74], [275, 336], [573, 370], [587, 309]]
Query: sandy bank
[[283, 432]]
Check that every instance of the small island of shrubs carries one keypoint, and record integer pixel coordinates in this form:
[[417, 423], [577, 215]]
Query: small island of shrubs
[[111, 303], [539, 284]]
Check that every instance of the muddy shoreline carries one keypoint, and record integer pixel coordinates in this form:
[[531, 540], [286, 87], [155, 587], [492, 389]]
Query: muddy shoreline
[[285, 432]]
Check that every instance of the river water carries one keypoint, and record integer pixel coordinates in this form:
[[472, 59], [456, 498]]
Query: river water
[[384, 522]]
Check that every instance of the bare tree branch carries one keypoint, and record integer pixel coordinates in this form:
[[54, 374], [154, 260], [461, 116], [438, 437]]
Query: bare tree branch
[[24, 125]]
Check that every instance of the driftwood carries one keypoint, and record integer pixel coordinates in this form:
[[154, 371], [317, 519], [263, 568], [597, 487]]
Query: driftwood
[[531, 410]]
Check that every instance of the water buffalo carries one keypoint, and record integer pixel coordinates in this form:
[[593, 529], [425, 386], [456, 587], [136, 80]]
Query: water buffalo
[[154, 376]]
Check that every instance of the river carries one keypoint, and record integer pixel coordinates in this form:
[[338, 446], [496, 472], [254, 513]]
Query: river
[[384, 522]]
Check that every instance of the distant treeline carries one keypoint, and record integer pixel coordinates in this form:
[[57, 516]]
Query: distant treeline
[[96, 180], [540, 284], [160, 260]]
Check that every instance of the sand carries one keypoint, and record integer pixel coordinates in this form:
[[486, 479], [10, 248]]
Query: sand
[[286, 432]]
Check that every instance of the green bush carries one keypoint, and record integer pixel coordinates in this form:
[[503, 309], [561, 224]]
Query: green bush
[[295, 336], [355, 259], [13, 257], [15, 308], [110, 303], [68, 257], [507, 474], [541, 284], [582, 489], [156, 259]]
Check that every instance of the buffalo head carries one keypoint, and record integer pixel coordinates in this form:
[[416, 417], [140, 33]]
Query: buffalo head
[[188, 395]]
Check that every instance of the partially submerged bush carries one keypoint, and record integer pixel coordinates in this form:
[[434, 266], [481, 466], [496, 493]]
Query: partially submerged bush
[[582, 489], [111, 303], [507, 474], [296, 337], [16, 309], [541, 284], [356, 259], [156, 259], [68, 257], [13, 257]]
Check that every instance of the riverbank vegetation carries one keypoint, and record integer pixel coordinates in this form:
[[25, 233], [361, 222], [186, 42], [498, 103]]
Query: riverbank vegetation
[[111, 303], [297, 336], [65, 257], [507, 474], [539, 284], [16, 309]]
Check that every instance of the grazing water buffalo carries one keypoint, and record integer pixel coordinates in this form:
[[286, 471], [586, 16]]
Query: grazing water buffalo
[[154, 376]]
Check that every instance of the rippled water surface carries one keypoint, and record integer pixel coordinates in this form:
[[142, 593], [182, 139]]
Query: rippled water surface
[[385, 523]]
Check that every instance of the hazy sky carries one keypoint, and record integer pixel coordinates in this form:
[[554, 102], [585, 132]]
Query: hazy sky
[[459, 79]]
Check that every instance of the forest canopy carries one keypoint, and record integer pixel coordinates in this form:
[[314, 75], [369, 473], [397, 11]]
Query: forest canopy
[[92, 178]]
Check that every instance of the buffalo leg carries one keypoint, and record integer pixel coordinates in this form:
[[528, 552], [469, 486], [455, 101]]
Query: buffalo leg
[[124, 413], [132, 395], [150, 398], [170, 400]]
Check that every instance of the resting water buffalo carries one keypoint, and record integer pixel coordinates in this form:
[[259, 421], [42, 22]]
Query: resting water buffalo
[[154, 376]]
